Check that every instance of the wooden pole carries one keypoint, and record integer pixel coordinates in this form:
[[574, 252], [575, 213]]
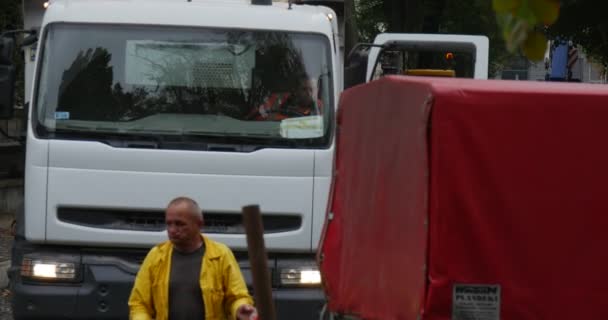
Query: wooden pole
[[262, 289]]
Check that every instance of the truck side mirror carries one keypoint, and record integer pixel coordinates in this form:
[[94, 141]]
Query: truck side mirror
[[356, 63], [7, 78], [29, 39], [355, 69]]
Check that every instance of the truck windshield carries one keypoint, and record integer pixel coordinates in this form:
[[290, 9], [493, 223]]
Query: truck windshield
[[267, 87]]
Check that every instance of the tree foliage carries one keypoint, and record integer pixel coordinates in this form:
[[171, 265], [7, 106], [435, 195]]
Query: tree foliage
[[523, 23], [584, 22], [10, 15], [11, 19]]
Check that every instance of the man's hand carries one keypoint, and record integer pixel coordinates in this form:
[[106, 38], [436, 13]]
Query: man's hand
[[246, 312]]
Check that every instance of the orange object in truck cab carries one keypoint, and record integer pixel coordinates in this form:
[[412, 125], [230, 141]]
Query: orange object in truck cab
[[430, 73]]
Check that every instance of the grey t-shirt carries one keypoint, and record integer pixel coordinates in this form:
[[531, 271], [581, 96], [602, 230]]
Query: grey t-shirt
[[185, 295]]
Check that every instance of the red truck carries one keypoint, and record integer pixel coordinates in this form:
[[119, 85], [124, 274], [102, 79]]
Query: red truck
[[468, 200]]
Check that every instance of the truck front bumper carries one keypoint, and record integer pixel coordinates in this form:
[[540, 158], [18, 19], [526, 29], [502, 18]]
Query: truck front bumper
[[104, 286]]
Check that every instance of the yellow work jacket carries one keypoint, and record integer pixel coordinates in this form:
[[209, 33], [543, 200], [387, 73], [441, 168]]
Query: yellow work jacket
[[221, 282]]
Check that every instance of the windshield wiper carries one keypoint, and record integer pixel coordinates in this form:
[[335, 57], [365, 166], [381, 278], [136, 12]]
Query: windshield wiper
[[170, 139], [114, 138], [237, 138]]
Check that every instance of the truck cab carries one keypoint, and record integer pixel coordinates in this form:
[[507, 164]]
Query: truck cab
[[443, 55], [132, 103]]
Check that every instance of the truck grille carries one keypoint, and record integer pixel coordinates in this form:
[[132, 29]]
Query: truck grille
[[215, 222]]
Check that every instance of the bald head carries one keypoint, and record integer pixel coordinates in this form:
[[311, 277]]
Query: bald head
[[188, 203]]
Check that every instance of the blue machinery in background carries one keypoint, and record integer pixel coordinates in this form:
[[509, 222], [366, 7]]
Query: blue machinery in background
[[563, 56]]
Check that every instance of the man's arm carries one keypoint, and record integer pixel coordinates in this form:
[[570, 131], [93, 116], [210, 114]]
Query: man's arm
[[236, 294], [140, 301]]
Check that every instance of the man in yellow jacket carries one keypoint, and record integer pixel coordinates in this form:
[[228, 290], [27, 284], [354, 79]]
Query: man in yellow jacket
[[190, 276]]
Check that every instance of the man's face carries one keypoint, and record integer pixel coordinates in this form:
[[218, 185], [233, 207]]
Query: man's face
[[304, 93], [183, 227]]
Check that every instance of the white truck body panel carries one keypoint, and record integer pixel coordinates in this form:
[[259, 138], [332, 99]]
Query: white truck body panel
[[80, 175]]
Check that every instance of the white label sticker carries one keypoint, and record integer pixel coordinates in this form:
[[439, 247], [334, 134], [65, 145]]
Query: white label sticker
[[476, 302], [302, 127], [62, 115]]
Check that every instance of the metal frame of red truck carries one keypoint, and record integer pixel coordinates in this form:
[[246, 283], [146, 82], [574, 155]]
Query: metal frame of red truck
[[463, 199]]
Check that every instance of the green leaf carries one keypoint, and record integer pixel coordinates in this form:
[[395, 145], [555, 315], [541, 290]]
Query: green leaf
[[526, 13], [546, 11], [505, 6], [515, 31], [519, 24], [534, 46]]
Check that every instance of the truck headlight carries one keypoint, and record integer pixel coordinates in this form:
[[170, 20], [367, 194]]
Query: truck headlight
[[48, 270], [300, 277]]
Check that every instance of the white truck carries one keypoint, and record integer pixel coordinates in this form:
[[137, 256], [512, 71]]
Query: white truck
[[134, 102]]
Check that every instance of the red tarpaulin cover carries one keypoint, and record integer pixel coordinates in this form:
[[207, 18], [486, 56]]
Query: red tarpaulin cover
[[376, 242], [513, 189]]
